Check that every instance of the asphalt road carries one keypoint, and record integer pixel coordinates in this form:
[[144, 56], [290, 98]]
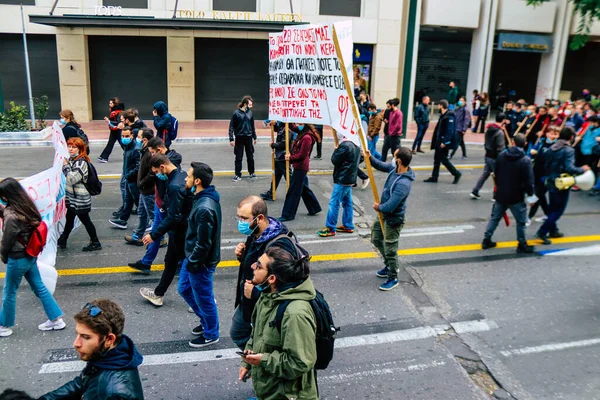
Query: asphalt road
[[464, 322]]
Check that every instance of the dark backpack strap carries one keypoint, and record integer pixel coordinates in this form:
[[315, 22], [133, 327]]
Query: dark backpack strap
[[279, 316]]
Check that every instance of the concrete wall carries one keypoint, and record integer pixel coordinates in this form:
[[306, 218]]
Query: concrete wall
[[516, 15], [455, 13]]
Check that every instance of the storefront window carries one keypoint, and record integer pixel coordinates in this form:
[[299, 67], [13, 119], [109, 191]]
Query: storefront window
[[126, 3], [17, 2], [345, 8], [234, 5]]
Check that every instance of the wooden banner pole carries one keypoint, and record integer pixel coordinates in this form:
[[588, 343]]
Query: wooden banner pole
[[361, 134], [273, 186], [335, 138], [287, 153]]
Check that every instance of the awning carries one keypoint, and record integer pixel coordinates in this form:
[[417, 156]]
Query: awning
[[93, 21]]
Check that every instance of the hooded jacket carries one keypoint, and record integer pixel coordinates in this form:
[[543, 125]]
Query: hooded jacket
[[560, 159], [286, 370], [514, 176], [113, 376], [14, 234], [255, 247], [131, 161], [452, 96], [242, 125], [162, 122], [395, 192], [70, 130], [161, 186], [345, 161], [445, 132], [203, 237], [301, 148], [136, 126], [463, 119], [177, 204], [539, 168], [279, 145], [146, 179], [495, 143]]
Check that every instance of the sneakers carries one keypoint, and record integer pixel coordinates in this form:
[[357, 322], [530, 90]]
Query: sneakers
[[456, 179], [164, 243], [116, 214], [389, 285], [52, 325], [5, 332], [430, 180], [420, 151], [140, 267], [541, 219], [326, 232], [543, 238], [365, 183], [556, 234], [528, 222], [199, 330], [61, 243], [191, 310], [201, 341], [317, 157], [134, 240], [463, 157], [92, 246], [475, 195], [525, 248], [237, 178], [149, 295], [118, 223], [487, 244], [102, 160], [252, 176], [343, 229], [383, 273]]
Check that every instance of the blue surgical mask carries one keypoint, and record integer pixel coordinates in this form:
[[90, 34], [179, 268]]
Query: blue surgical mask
[[3, 203], [244, 227], [300, 127], [74, 155], [62, 121], [126, 141], [261, 287], [138, 141], [460, 104], [162, 176], [528, 112], [193, 189]]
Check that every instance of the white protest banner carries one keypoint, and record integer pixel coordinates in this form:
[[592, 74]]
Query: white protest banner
[[305, 75]]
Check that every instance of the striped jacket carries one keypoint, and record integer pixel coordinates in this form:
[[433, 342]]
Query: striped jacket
[[77, 197]]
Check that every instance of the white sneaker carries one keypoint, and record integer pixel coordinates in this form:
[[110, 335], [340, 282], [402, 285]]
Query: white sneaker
[[4, 332], [191, 310], [541, 219], [365, 183], [52, 325], [149, 295], [528, 222]]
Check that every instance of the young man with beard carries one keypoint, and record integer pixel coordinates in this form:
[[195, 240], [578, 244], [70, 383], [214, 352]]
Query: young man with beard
[[202, 254], [422, 120], [131, 165], [443, 141], [463, 121], [112, 359], [242, 137], [495, 143]]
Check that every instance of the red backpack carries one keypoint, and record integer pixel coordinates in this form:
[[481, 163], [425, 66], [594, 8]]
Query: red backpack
[[37, 241]]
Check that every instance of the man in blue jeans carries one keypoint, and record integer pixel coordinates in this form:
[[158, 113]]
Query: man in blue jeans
[[422, 120], [345, 159], [203, 253]]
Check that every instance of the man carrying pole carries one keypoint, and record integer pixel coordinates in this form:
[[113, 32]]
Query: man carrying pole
[[278, 163]]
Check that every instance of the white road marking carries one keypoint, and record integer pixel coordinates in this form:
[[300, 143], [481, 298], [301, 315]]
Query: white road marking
[[345, 378], [304, 242], [550, 347], [473, 326], [580, 251], [423, 332]]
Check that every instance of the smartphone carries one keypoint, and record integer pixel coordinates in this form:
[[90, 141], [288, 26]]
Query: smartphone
[[240, 353]]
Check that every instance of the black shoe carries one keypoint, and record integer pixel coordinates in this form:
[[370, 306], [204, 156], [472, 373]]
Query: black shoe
[[116, 214], [420, 151], [61, 243], [430, 180], [456, 179], [525, 248], [556, 234], [317, 157], [118, 223], [267, 196], [284, 219], [93, 246], [140, 267], [134, 211], [487, 244], [197, 331], [543, 238], [200, 342], [314, 213]]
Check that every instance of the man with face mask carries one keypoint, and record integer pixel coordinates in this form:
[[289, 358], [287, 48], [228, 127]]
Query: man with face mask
[[202, 254], [112, 360], [443, 141], [177, 204], [131, 165], [463, 122], [261, 230], [494, 145]]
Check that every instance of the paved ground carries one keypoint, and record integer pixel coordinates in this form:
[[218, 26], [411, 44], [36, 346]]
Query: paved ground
[[463, 324]]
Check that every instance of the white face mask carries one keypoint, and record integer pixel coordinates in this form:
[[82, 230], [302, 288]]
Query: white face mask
[[567, 112]]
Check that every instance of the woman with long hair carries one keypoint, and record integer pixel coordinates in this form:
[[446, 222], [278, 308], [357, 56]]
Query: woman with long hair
[[78, 199], [20, 218], [70, 127], [300, 159]]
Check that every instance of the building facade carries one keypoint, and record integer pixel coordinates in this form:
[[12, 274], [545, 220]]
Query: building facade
[[202, 57]]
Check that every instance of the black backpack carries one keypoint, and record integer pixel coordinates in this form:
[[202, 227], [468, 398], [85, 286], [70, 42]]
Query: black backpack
[[83, 137], [326, 329], [93, 184]]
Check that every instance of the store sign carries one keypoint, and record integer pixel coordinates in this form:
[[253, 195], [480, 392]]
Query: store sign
[[362, 53], [524, 42], [239, 15], [115, 11]]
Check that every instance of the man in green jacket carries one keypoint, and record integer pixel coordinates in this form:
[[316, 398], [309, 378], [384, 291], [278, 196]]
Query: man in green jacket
[[453, 94], [282, 362]]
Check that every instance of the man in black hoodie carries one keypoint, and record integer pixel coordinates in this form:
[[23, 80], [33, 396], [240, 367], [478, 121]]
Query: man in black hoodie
[[494, 145], [514, 179], [162, 122], [443, 141], [112, 359], [559, 159], [242, 137]]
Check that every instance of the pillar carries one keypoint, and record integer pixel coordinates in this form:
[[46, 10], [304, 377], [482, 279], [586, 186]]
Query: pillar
[[180, 75], [74, 72], [482, 49], [410, 74]]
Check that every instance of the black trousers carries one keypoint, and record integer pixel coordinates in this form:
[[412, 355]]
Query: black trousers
[[85, 220], [299, 190], [540, 192], [115, 136], [174, 256], [362, 175], [461, 135], [441, 157], [320, 143], [389, 143], [480, 119], [243, 143], [279, 173]]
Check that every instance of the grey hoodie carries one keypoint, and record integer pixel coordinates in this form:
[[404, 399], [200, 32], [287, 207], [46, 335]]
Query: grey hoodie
[[395, 192]]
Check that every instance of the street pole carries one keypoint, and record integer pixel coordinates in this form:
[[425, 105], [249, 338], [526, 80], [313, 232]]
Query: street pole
[[273, 186], [287, 153], [31, 109]]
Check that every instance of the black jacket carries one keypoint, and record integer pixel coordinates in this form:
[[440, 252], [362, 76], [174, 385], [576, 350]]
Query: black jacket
[[162, 122], [131, 161], [203, 237], [560, 159], [242, 125], [146, 179], [345, 161], [177, 204], [495, 143], [70, 130], [112, 377], [136, 126], [514, 176], [161, 186], [279, 145], [445, 132]]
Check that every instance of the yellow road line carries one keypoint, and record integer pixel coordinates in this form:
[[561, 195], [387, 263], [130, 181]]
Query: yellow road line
[[340, 256]]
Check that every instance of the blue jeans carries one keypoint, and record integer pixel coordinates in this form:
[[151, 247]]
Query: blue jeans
[[196, 288], [372, 145], [16, 269], [145, 213], [123, 187], [132, 197], [518, 210], [152, 250], [556, 208], [240, 328], [341, 194], [421, 130]]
